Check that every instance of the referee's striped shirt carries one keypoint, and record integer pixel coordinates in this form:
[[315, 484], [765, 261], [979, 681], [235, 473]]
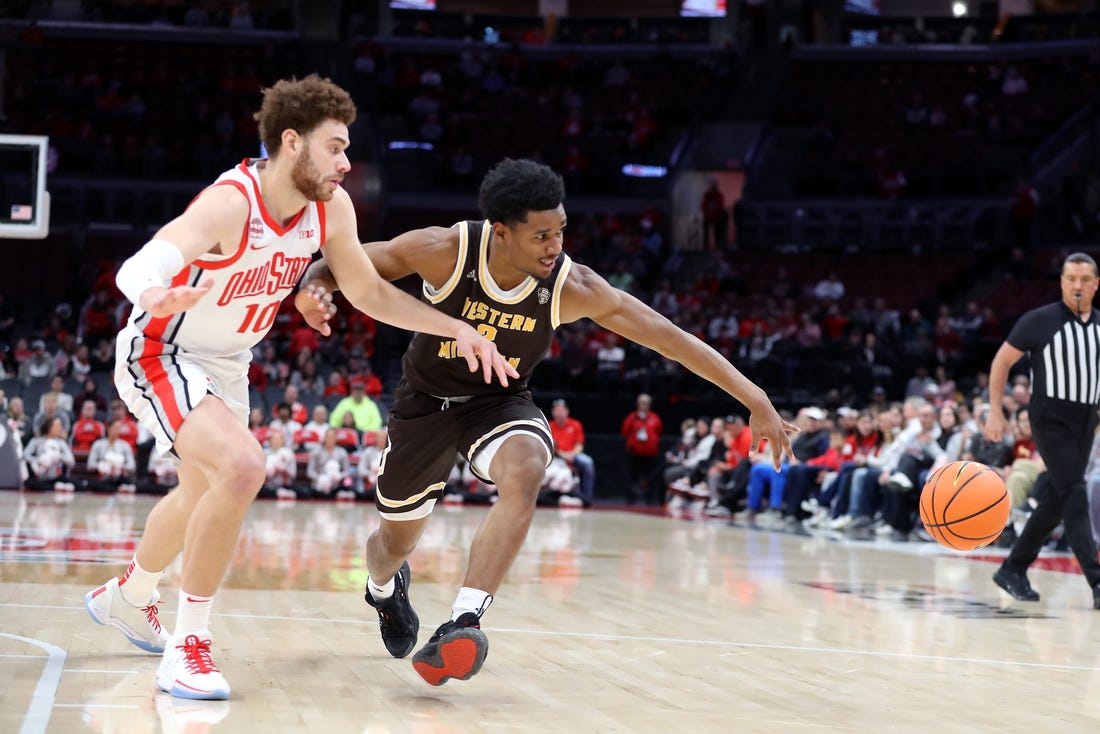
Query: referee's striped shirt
[[1064, 351]]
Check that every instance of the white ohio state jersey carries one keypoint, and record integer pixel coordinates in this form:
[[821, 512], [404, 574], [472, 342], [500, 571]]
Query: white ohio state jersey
[[249, 285]]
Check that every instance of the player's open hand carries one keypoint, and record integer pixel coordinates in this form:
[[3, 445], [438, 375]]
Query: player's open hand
[[481, 352], [766, 424], [315, 304], [160, 302]]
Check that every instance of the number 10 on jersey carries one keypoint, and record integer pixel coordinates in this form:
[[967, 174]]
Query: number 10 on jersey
[[258, 320]]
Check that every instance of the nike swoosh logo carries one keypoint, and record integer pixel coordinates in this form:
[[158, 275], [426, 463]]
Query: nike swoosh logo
[[198, 601], [252, 246]]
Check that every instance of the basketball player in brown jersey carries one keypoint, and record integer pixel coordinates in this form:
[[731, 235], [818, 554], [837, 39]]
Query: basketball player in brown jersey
[[508, 276]]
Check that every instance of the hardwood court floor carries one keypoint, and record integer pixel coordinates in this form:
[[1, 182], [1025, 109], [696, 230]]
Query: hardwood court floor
[[610, 621]]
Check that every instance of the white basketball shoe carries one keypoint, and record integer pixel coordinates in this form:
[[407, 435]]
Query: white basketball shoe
[[140, 625], [187, 671]]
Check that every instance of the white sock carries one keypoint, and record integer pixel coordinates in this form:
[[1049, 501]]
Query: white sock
[[193, 615], [471, 600], [137, 584], [383, 592]]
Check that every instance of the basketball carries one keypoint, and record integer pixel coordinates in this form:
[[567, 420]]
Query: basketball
[[964, 505]]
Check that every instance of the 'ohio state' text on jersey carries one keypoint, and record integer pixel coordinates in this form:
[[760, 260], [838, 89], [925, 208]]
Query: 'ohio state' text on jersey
[[249, 285]]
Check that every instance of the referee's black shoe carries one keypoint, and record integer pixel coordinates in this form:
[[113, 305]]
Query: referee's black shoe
[[396, 619], [1096, 597], [1016, 584]]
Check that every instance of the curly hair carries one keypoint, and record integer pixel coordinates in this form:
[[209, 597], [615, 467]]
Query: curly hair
[[514, 187], [301, 105]]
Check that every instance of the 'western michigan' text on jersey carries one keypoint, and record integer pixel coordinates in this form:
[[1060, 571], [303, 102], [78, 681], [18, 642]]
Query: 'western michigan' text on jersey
[[521, 322], [249, 285]]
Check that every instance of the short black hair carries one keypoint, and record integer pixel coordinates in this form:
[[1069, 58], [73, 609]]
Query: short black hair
[[1081, 257], [513, 187]]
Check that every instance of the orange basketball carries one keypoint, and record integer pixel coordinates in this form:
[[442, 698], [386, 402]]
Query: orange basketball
[[964, 505]]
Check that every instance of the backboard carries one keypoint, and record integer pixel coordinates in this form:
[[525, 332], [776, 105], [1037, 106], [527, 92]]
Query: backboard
[[24, 201]]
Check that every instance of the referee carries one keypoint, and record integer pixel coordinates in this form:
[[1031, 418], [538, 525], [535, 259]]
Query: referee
[[1063, 342]]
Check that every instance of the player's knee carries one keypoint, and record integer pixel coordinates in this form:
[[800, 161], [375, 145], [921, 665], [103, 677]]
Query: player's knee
[[523, 475], [244, 472]]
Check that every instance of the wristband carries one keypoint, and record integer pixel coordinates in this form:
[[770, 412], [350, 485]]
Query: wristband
[[152, 266]]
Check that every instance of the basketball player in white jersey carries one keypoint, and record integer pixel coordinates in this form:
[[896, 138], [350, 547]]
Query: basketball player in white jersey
[[205, 290]]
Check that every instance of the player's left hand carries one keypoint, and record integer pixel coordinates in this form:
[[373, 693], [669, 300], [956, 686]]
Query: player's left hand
[[481, 352], [315, 304], [765, 423]]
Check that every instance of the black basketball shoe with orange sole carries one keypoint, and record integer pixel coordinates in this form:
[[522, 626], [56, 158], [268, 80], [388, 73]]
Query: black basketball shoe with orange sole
[[456, 650]]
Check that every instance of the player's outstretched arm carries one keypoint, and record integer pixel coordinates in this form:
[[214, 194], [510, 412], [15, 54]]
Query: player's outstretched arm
[[421, 251], [586, 294], [362, 285], [214, 221], [429, 252]]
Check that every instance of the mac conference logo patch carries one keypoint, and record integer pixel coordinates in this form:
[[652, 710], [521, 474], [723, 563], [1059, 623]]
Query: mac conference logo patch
[[544, 296]]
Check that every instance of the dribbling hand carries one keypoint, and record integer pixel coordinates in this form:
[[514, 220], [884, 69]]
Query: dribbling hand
[[480, 351], [160, 302], [315, 304], [766, 424]]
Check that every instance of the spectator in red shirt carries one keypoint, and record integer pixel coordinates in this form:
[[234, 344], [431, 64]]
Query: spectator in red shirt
[[642, 432], [87, 430], [337, 385], [348, 436], [257, 375], [97, 317], [728, 477], [371, 380], [805, 479], [947, 341], [1027, 464], [258, 426], [303, 337], [127, 429], [298, 411], [360, 335], [568, 436]]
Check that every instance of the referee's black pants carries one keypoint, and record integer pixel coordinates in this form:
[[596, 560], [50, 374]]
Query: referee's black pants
[[1063, 433]]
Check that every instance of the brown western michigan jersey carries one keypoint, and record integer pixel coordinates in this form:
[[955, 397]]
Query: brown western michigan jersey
[[521, 322]]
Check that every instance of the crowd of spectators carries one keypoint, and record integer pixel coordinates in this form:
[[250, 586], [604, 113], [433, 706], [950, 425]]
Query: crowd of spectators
[[141, 109], [966, 31], [585, 115], [781, 319], [858, 472], [815, 331], [238, 15], [537, 31], [904, 127]]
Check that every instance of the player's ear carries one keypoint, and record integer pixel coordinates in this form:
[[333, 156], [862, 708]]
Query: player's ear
[[292, 141]]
